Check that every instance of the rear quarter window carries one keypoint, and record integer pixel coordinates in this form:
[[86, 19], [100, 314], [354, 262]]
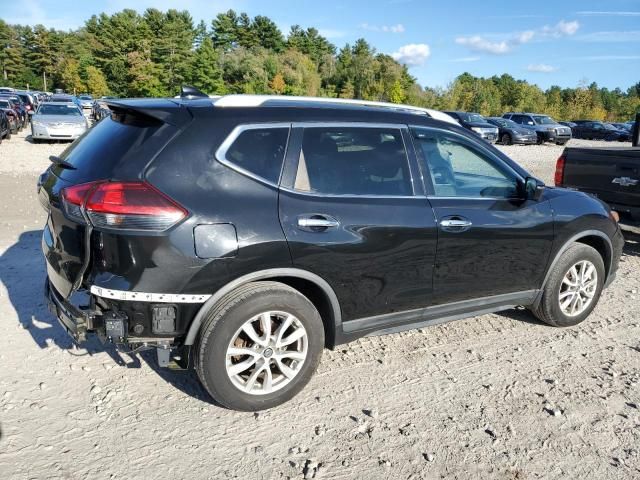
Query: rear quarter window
[[256, 150]]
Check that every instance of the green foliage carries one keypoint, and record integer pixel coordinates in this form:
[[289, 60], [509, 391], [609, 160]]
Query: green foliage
[[154, 53]]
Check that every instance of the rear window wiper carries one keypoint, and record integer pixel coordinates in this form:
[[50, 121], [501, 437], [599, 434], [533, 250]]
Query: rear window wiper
[[62, 163]]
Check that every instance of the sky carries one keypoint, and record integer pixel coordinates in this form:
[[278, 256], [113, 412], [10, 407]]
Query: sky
[[565, 43]]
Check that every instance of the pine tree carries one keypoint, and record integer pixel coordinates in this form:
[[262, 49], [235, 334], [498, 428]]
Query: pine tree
[[206, 73]]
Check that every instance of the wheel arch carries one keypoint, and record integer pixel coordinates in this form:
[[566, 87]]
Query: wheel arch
[[593, 238], [312, 286]]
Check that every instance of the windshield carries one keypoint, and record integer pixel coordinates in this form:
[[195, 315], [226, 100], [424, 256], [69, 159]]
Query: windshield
[[85, 97], [505, 122], [59, 110], [543, 120], [5, 104], [473, 117], [608, 126]]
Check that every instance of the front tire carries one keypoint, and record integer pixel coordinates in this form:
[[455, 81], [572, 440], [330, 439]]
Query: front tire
[[506, 139], [259, 346], [540, 140], [573, 288]]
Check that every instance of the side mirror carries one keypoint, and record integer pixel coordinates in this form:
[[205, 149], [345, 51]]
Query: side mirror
[[533, 188]]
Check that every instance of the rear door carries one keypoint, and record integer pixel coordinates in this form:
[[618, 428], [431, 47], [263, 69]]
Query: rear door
[[353, 214], [490, 242]]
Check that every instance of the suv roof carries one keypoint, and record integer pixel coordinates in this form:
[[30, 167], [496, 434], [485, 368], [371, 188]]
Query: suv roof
[[242, 100]]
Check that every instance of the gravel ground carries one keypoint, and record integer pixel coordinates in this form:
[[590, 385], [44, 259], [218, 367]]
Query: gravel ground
[[496, 396]]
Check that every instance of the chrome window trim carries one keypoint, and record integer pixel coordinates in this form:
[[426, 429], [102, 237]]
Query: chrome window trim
[[324, 124], [339, 124], [221, 153]]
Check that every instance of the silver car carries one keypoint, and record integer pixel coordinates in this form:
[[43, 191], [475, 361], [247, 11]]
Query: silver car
[[58, 121], [86, 101]]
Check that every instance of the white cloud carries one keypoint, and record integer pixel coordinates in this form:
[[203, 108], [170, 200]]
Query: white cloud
[[482, 43], [412, 54], [397, 28], [541, 68], [464, 59], [610, 57], [620, 37], [609, 14], [561, 29]]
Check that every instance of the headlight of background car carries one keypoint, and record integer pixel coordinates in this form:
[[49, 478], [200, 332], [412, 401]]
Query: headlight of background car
[[35, 123], [477, 129]]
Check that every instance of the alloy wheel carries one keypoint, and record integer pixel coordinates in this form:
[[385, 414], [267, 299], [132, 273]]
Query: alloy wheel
[[578, 288], [266, 352]]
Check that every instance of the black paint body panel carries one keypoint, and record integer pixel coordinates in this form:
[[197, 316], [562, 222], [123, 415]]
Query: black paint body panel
[[387, 255]]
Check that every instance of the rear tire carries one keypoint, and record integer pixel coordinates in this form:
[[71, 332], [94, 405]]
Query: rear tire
[[243, 329], [8, 135], [564, 304]]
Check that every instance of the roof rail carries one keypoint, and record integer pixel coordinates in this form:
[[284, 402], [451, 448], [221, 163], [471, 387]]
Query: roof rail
[[242, 100]]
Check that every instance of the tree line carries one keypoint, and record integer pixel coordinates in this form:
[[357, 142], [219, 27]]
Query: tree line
[[129, 54]]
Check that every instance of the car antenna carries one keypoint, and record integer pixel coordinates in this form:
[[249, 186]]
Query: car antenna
[[187, 91]]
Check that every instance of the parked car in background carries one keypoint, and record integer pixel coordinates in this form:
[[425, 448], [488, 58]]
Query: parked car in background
[[29, 99], [86, 101], [568, 124], [5, 126], [58, 121], [594, 130], [622, 126], [100, 109], [7, 90], [15, 125], [65, 98], [245, 234], [18, 106], [547, 129], [477, 124], [510, 132]]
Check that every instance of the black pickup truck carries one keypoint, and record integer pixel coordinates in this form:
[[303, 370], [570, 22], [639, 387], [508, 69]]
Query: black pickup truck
[[611, 174]]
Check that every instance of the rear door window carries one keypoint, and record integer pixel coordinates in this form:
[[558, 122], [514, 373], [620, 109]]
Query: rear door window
[[257, 150], [353, 161]]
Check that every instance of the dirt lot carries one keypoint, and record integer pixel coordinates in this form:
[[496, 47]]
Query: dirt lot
[[497, 396]]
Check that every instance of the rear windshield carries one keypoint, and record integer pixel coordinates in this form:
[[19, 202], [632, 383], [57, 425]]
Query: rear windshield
[[5, 104], [59, 110], [97, 152]]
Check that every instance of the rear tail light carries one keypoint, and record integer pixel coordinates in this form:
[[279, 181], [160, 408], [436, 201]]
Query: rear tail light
[[121, 205], [559, 176]]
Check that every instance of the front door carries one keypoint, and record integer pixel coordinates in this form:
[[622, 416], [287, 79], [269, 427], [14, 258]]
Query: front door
[[352, 214], [490, 240]]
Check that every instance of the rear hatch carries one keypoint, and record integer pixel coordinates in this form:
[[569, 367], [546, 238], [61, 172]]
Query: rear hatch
[[612, 174], [117, 148]]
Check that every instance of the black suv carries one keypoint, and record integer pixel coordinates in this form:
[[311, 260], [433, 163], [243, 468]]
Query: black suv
[[244, 234], [547, 129]]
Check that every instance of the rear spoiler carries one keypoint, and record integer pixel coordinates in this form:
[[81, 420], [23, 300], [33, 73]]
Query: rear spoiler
[[149, 109]]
